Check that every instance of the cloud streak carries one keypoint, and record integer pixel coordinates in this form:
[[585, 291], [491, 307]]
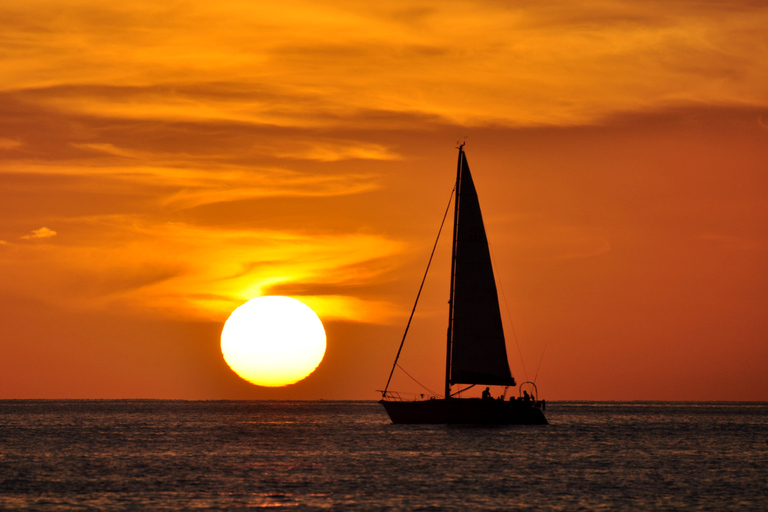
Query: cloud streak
[[175, 269], [464, 62], [39, 233]]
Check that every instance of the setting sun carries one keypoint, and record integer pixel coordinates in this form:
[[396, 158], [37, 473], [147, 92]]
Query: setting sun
[[273, 341]]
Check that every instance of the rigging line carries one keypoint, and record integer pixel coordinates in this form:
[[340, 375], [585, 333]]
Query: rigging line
[[408, 325], [417, 382], [540, 360], [509, 315], [463, 390]]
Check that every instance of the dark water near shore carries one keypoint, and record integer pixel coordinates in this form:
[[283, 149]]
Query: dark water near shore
[[177, 455]]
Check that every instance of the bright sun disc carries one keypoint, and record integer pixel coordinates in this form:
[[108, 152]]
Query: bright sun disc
[[273, 341]]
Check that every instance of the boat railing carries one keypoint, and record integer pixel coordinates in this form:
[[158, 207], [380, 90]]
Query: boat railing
[[400, 397], [533, 396], [525, 387]]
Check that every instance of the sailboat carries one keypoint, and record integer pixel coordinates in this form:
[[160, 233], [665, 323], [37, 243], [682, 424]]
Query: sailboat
[[476, 349]]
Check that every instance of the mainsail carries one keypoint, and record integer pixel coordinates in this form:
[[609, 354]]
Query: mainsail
[[478, 353]]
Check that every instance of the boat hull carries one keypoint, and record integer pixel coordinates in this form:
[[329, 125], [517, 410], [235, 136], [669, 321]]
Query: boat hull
[[467, 411]]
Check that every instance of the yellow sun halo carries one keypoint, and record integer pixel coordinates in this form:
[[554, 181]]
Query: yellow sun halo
[[273, 341]]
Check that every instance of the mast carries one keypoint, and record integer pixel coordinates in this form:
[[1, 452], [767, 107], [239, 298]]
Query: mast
[[453, 274]]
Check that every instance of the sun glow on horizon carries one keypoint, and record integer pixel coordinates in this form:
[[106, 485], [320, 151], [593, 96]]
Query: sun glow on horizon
[[273, 341]]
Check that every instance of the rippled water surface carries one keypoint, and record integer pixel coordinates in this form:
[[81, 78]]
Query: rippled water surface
[[137, 455]]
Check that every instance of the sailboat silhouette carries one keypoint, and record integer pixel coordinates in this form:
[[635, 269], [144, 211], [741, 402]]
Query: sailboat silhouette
[[476, 349]]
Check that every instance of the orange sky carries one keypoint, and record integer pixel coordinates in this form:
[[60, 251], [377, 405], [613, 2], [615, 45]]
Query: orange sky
[[160, 165]]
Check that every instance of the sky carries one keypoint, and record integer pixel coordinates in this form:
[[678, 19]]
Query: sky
[[162, 163]]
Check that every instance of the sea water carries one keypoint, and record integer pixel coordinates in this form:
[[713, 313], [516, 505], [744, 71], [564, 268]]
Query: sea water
[[322, 455]]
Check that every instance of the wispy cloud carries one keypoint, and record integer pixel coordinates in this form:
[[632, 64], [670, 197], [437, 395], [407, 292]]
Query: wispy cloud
[[39, 233], [9, 143], [184, 183], [334, 150], [465, 62], [178, 269]]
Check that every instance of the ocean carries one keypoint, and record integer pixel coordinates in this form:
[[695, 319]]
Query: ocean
[[328, 455]]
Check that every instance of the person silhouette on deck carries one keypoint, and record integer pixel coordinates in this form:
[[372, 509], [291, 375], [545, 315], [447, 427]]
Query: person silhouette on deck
[[487, 393]]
